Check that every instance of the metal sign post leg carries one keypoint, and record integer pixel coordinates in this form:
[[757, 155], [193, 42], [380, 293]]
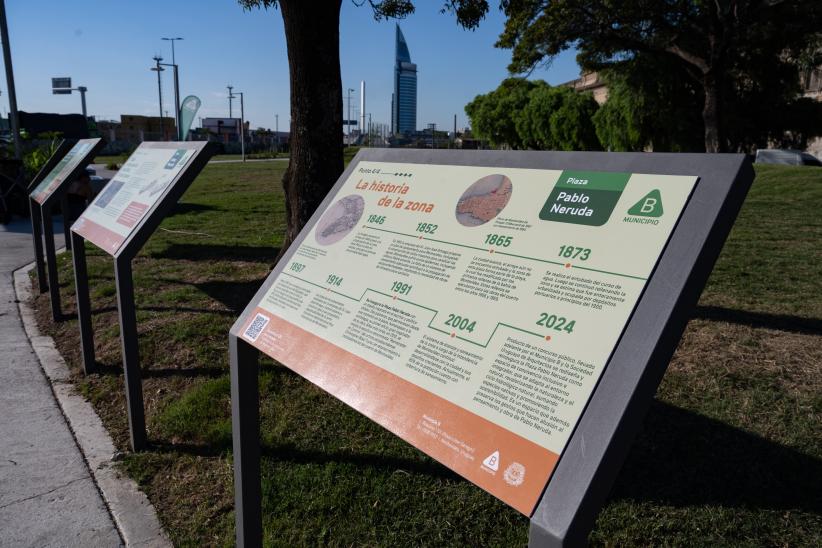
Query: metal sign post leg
[[245, 427], [37, 236], [131, 358], [83, 302], [51, 263], [64, 208]]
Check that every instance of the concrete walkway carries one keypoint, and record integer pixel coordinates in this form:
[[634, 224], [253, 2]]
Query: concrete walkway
[[47, 495]]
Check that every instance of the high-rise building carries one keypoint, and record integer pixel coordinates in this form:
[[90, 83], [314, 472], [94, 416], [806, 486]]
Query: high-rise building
[[404, 99]]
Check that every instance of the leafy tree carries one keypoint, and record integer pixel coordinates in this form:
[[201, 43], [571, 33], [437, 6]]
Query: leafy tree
[[660, 112], [724, 46], [312, 32], [525, 114], [493, 114], [571, 123]]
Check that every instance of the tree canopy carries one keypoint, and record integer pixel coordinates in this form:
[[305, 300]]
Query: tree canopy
[[525, 114], [737, 53]]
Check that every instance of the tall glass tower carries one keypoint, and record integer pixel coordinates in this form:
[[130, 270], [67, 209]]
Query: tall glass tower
[[404, 99]]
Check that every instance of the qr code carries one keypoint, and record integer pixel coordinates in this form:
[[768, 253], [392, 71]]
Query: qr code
[[256, 327]]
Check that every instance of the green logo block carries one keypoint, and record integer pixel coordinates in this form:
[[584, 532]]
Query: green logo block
[[648, 206], [584, 197]]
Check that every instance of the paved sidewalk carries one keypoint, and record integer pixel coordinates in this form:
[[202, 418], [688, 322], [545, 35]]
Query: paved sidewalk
[[47, 496]]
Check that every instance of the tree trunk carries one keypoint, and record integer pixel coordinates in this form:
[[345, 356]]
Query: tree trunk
[[312, 33], [710, 112]]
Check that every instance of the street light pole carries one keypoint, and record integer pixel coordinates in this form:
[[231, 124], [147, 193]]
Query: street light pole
[[176, 88], [83, 90], [160, 69], [242, 127], [15, 122], [348, 121], [172, 40]]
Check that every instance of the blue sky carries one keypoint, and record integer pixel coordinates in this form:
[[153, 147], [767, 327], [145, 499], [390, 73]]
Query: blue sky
[[107, 45]]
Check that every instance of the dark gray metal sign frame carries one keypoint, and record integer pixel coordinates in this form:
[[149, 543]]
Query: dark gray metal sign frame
[[125, 284], [42, 227], [597, 448]]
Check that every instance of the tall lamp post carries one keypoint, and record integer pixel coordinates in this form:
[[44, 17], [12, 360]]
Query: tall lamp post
[[348, 121], [15, 122], [242, 126], [176, 88], [176, 97], [160, 69]]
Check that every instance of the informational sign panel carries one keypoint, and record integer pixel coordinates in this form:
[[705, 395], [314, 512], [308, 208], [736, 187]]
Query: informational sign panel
[[59, 174], [133, 192], [470, 310]]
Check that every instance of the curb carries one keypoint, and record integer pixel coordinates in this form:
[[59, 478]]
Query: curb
[[133, 514]]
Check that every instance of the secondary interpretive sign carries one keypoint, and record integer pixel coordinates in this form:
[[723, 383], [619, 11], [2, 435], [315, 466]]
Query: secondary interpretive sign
[[60, 174], [470, 310], [134, 192]]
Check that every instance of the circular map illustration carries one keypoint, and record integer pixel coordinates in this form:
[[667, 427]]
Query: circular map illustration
[[339, 219], [484, 200]]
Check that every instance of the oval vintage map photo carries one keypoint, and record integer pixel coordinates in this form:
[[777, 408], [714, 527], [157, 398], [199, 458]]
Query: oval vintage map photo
[[483, 200], [339, 220]]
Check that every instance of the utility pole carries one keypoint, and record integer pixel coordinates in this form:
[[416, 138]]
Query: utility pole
[[348, 121], [176, 98], [362, 110], [172, 40], [242, 127], [230, 97], [83, 90], [176, 88], [160, 69], [277, 130], [15, 122]]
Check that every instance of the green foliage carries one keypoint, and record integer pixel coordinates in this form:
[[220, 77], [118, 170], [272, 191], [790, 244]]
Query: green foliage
[[661, 113], [524, 114], [746, 55], [469, 13], [492, 114], [43, 148]]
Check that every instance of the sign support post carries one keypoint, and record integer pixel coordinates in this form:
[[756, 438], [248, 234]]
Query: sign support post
[[123, 248], [245, 426], [83, 302], [131, 357], [49, 187], [36, 214], [37, 236], [658, 286]]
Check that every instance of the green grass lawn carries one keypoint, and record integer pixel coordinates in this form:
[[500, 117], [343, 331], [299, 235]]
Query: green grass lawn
[[730, 453]]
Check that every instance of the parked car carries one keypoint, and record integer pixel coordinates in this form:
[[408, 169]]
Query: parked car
[[787, 157]]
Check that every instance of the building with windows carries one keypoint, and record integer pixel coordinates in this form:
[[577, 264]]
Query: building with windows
[[404, 99]]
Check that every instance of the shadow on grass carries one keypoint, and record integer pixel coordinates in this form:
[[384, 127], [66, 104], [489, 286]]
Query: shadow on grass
[[683, 459], [782, 322], [233, 295], [680, 459], [104, 310], [211, 252], [181, 208], [116, 370]]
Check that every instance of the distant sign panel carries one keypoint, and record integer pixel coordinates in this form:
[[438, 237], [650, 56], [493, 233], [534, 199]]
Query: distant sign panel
[[470, 310], [61, 86], [57, 176], [133, 192]]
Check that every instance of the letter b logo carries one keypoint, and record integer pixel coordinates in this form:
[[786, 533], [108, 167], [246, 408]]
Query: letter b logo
[[649, 206]]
